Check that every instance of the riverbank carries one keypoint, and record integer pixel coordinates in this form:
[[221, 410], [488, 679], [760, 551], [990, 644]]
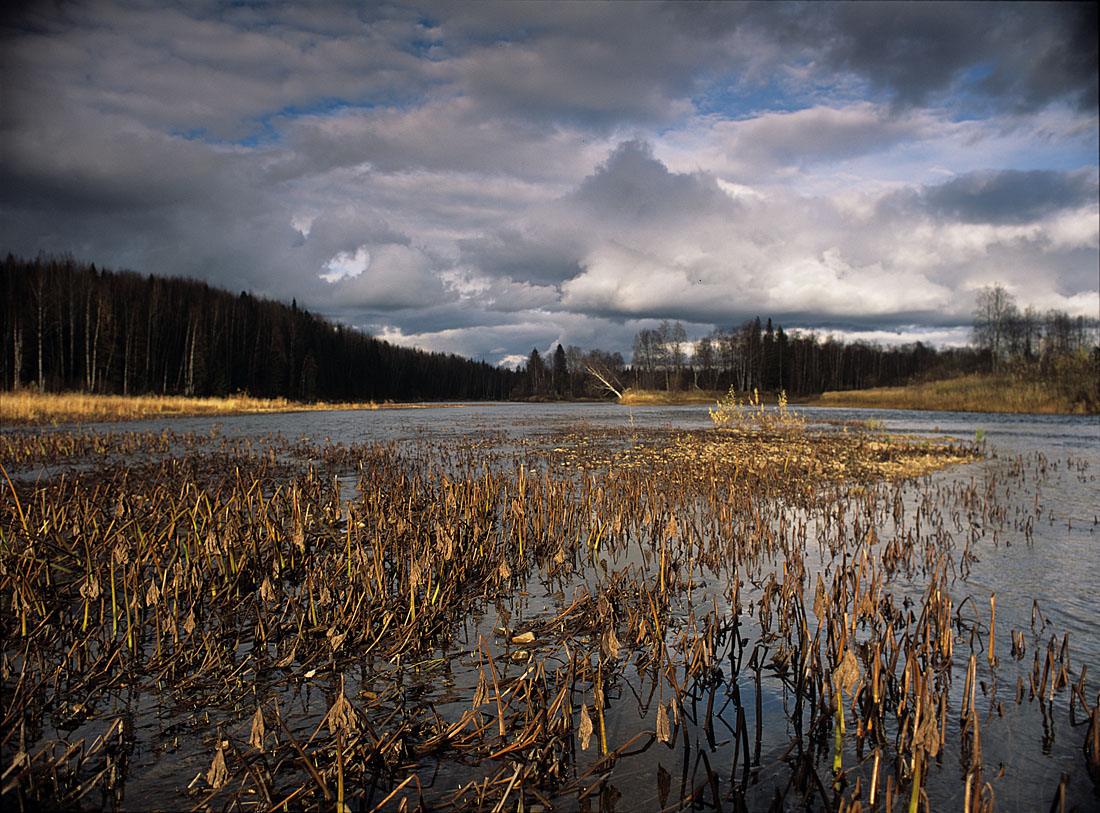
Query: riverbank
[[634, 397], [29, 408], [973, 393]]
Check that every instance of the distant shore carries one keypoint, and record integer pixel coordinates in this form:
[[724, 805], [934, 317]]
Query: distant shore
[[29, 408], [972, 393]]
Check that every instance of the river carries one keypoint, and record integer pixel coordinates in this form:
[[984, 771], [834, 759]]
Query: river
[[1049, 566]]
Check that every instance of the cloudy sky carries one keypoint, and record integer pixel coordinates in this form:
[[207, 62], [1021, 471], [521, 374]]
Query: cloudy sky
[[485, 178]]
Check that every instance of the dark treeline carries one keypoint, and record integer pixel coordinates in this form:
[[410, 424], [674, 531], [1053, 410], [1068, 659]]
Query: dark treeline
[[67, 326], [760, 356], [757, 355], [753, 356]]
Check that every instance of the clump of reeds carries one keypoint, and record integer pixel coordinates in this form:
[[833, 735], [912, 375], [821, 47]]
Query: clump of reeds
[[744, 413]]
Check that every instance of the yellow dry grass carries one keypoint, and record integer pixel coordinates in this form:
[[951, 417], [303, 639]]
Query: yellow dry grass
[[972, 393], [636, 397], [31, 408]]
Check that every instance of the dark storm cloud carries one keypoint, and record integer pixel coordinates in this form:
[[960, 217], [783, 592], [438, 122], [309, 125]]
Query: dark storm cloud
[[480, 176], [540, 257], [634, 187], [1010, 196], [1015, 56]]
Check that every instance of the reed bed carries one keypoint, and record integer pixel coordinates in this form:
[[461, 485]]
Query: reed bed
[[31, 408], [638, 397], [748, 617], [974, 393]]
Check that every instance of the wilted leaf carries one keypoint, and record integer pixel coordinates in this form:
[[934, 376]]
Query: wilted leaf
[[335, 638], [603, 606], [189, 624], [866, 606], [218, 774], [664, 734], [267, 592], [585, 729], [341, 717], [846, 675], [819, 599], [90, 588], [152, 596], [671, 528], [928, 735], [609, 643], [256, 735]]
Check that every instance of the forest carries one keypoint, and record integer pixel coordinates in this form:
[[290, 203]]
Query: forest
[[764, 357], [68, 326]]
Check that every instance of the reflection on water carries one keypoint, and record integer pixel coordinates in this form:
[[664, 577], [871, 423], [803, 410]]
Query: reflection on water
[[1037, 559]]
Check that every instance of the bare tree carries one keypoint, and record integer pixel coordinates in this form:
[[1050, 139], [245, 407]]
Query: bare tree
[[606, 368], [994, 312]]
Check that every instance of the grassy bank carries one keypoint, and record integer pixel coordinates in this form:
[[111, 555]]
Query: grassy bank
[[635, 397], [29, 408], [974, 393]]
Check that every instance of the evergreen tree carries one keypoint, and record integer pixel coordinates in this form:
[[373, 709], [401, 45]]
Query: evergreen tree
[[560, 371], [535, 375]]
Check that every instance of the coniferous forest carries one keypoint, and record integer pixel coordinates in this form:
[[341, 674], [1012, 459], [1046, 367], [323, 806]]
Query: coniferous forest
[[70, 327]]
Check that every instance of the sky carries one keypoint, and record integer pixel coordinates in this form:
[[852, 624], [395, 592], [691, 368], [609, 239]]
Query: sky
[[486, 178]]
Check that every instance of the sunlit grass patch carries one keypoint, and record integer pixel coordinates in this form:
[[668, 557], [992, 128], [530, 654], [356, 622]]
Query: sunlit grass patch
[[639, 397], [28, 407], [1067, 385]]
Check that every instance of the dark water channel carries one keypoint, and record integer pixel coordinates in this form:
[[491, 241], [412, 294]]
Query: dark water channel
[[1041, 562]]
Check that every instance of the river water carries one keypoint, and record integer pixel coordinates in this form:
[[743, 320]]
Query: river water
[[1052, 569]]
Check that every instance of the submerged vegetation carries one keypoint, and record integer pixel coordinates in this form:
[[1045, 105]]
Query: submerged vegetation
[[585, 617]]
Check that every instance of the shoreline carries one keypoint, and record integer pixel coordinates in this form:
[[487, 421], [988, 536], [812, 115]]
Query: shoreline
[[28, 409]]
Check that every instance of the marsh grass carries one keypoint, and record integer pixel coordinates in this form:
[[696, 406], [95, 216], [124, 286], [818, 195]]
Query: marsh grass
[[639, 397], [747, 413], [1068, 391], [320, 646], [30, 408]]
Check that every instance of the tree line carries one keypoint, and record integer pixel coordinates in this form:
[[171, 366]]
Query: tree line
[[754, 355], [1005, 334], [68, 326], [758, 355]]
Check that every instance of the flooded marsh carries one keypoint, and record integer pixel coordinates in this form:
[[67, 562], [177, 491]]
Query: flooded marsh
[[532, 609]]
